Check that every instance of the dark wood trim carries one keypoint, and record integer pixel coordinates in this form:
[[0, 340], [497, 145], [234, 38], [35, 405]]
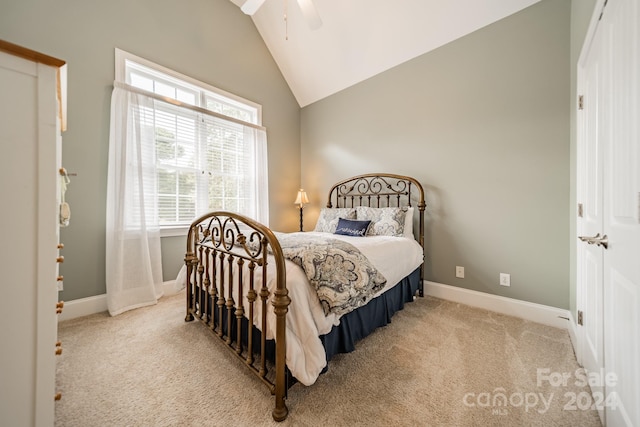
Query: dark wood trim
[[32, 55]]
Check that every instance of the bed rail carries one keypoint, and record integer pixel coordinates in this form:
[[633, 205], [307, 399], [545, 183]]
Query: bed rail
[[382, 190], [223, 248]]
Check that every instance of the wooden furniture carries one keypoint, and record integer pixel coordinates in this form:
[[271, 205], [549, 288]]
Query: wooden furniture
[[230, 257], [31, 121]]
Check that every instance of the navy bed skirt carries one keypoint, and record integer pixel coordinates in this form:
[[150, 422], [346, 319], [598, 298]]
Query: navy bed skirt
[[378, 312], [353, 326]]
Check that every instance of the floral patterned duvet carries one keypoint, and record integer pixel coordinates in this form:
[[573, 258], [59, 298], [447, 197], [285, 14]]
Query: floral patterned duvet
[[343, 277]]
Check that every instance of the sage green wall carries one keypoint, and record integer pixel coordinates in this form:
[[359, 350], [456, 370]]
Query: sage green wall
[[210, 40], [581, 11], [483, 123]]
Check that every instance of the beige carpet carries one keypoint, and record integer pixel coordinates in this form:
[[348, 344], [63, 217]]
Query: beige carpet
[[437, 363]]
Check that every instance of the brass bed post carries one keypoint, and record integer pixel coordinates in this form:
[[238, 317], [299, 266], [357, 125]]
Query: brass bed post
[[421, 208], [280, 303]]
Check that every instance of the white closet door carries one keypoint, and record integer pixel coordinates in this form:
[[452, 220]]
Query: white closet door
[[622, 203], [609, 187], [590, 191]]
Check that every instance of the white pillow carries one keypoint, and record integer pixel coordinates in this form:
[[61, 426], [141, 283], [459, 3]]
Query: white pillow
[[328, 219], [408, 224], [384, 221]]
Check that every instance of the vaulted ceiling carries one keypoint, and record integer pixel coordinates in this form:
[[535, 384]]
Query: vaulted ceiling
[[361, 38]]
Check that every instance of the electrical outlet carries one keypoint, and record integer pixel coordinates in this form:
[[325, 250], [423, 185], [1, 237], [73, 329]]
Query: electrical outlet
[[505, 279], [459, 272]]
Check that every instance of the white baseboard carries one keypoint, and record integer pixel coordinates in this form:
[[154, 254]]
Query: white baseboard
[[539, 313], [83, 307], [97, 304], [530, 311], [168, 288]]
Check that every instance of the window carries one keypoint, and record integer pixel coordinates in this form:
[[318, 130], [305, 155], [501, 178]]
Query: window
[[210, 150]]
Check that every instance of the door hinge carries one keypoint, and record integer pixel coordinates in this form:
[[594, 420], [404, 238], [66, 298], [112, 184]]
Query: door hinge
[[580, 210], [602, 11], [580, 318], [581, 102]]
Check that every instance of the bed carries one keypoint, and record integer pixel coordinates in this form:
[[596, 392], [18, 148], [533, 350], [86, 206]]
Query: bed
[[285, 303]]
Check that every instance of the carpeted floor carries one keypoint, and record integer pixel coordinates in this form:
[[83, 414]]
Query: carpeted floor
[[438, 363]]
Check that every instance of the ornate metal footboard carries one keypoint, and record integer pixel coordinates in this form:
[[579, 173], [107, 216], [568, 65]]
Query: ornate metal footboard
[[225, 249]]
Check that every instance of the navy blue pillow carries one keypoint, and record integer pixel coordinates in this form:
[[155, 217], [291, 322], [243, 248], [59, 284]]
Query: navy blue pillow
[[352, 227]]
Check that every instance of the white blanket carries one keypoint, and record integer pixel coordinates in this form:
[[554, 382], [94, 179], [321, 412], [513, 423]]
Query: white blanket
[[394, 257]]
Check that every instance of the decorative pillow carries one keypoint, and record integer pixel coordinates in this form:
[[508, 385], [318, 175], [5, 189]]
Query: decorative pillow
[[352, 227], [328, 219], [384, 221]]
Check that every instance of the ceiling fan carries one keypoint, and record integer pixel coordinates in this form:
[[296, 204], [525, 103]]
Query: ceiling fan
[[308, 10]]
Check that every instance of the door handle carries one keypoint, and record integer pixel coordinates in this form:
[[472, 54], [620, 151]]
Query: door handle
[[590, 240], [596, 240], [603, 241]]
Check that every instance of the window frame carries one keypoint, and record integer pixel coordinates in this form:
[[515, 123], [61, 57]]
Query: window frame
[[204, 92]]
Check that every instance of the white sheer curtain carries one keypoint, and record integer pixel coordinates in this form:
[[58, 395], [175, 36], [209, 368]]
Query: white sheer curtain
[[260, 181], [133, 257], [133, 252]]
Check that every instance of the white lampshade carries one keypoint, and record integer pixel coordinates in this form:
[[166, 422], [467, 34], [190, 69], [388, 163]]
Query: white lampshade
[[302, 198]]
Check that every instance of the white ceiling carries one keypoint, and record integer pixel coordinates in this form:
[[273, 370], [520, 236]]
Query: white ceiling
[[361, 38]]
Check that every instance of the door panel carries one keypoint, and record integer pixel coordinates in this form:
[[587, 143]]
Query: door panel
[[622, 323], [593, 323], [621, 223], [609, 187], [590, 193]]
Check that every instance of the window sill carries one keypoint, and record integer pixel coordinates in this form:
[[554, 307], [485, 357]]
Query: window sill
[[180, 230]]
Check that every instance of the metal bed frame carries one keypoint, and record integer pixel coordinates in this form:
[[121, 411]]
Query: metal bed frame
[[220, 245]]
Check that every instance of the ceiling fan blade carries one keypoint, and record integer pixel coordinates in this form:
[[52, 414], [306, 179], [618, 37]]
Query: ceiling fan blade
[[251, 6], [310, 13]]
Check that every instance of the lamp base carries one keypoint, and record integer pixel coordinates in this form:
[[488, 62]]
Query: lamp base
[[301, 219]]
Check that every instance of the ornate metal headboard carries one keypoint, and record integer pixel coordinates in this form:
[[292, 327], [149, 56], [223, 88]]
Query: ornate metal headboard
[[380, 190]]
